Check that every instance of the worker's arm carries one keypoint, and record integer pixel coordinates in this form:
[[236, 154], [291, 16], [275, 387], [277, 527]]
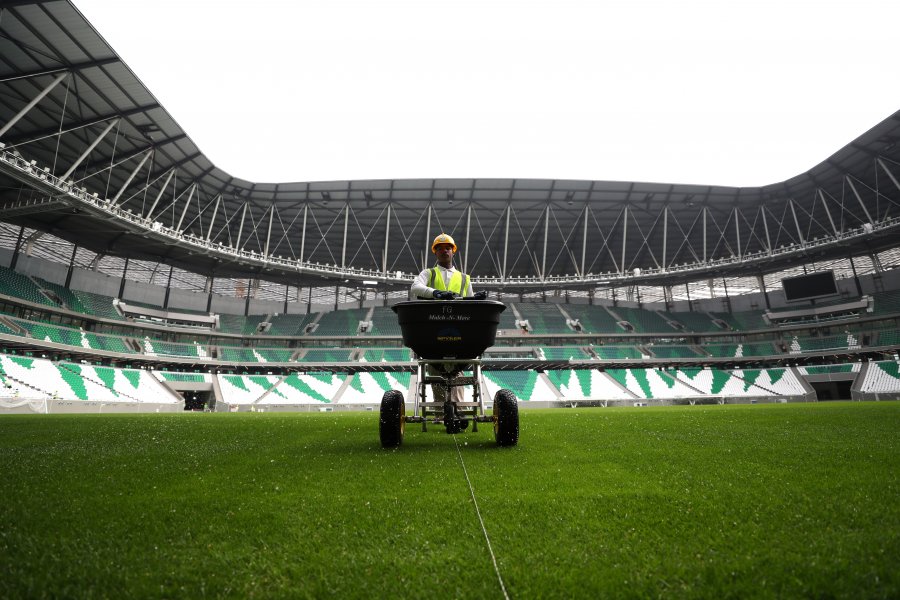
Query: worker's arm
[[420, 287]]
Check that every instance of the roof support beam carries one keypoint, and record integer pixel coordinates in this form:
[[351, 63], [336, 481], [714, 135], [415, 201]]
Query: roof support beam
[[269, 232], [387, 237], [89, 149], [427, 238], [344, 247], [665, 264], [71, 68], [624, 239], [237, 244], [584, 240], [889, 174], [546, 231], [187, 203], [128, 181], [859, 199], [797, 223], [162, 191], [737, 232], [213, 220], [468, 229], [506, 241], [303, 237], [766, 228], [33, 103], [705, 212], [827, 212]]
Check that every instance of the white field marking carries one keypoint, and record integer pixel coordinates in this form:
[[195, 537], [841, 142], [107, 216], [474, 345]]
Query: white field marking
[[481, 521]]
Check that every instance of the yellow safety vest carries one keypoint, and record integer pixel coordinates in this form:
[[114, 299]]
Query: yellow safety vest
[[436, 281]]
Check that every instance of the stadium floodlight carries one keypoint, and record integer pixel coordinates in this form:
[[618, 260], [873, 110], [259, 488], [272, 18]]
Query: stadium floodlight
[[369, 282]]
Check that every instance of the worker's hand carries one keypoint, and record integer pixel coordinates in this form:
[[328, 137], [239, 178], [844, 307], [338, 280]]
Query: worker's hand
[[442, 295], [482, 295]]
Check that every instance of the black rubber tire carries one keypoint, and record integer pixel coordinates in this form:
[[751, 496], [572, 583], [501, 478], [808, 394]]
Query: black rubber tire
[[506, 418], [393, 419]]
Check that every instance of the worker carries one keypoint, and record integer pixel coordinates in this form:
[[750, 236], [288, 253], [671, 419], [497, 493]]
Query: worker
[[444, 282]]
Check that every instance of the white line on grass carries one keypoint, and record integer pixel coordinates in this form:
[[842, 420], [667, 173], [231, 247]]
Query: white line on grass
[[480, 520]]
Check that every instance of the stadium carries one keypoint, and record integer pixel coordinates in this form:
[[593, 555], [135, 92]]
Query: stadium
[[138, 277]]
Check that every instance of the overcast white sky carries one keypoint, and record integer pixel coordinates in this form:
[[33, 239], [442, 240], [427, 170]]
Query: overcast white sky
[[720, 92]]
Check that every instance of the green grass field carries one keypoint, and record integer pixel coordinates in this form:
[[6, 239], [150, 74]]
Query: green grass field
[[798, 500]]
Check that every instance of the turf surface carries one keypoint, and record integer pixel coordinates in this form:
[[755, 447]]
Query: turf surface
[[797, 500]]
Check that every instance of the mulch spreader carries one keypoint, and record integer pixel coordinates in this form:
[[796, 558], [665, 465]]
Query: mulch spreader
[[448, 338]]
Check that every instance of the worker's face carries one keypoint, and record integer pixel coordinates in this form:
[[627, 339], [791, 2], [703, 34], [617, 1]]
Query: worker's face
[[444, 254]]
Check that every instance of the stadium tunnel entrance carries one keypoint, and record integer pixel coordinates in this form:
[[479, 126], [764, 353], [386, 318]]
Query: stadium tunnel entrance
[[832, 390], [198, 401], [197, 392]]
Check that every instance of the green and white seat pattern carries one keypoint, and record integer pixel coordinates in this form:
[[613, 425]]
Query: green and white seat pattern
[[651, 384], [882, 377], [717, 382], [827, 369], [13, 391], [306, 388], [158, 348], [370, 387], [79, 382], [245, 389], [586, 384], [527, 385], [831, 342], [261, 355], [183, 377]]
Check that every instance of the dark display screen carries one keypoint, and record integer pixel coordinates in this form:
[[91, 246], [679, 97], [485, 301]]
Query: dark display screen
[[806, 287]]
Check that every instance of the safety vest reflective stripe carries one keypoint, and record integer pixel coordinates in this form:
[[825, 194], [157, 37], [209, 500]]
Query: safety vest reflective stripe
[[456, 279]]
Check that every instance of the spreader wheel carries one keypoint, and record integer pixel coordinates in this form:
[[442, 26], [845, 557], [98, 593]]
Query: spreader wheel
[[393, 419], [506, 418]]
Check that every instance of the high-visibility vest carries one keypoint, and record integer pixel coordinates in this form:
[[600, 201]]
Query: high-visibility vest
[[459, 282]]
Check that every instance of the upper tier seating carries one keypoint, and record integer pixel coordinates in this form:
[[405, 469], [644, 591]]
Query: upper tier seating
[[74, 337], [543, 318], [326, 355], [594, 319], [340, 322], [886, 303], [98, 305], [644, 321], [565, 353], [739, 350], [384, 321], [698, 322], [254, 355], [387, 355], [743, 321], [158, 348], [507, 318], [888, 337], [19, 286], [289, 324], [616, 352], [829, 342], [240, 324], [672, 351]]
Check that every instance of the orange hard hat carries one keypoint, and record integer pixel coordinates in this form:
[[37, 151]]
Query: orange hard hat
[[442, 239]]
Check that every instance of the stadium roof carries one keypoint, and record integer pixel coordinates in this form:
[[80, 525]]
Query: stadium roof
[[68, 103]]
